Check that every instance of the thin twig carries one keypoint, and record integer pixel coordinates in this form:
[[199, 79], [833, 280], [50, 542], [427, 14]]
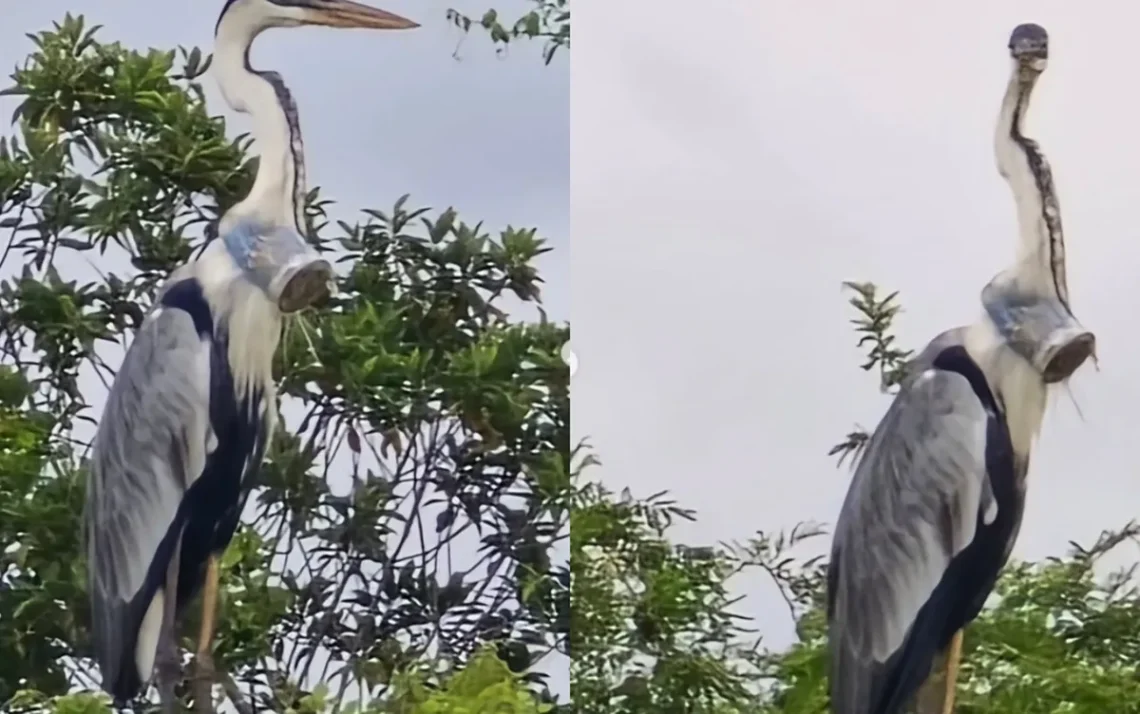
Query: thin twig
[[234, 695]]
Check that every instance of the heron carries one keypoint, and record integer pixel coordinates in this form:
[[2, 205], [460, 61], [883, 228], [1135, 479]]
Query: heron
[[937, 497], [192, 408]]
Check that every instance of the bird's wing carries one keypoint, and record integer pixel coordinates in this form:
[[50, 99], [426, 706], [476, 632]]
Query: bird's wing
[[150, 445], [914, 503]]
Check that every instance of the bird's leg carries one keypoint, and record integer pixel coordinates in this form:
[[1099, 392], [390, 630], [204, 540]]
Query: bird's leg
[[203, 659], [952, 660], [168, 662]]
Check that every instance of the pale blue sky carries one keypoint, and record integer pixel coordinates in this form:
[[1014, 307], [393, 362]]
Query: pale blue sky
[[735, 161]]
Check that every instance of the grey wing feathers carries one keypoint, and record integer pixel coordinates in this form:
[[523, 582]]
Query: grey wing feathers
[[913, 505], [149, 446]]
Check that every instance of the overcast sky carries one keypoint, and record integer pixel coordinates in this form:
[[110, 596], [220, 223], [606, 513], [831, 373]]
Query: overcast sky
[[734, 162]]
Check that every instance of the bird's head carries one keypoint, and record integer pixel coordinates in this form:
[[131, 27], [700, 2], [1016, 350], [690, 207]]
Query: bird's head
[[1029, 45], [257, 15]]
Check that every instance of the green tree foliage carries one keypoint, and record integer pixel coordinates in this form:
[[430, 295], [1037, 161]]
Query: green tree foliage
[[485, 685], [654, 628], [651, 626], [421, 420], [548, 21]]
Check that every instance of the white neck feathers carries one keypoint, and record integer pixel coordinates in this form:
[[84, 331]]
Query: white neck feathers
[[1018, 387], [242, 310], [272, 197]]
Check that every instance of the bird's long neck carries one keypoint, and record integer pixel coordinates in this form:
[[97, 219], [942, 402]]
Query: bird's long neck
[[1019, 388], [278, 192], [1040, 268]]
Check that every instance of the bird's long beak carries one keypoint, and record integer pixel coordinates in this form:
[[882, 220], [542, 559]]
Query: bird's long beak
[[345, 13]]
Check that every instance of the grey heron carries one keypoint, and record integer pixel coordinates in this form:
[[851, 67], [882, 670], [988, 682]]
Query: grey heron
[[937, 498], [187, 420]]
